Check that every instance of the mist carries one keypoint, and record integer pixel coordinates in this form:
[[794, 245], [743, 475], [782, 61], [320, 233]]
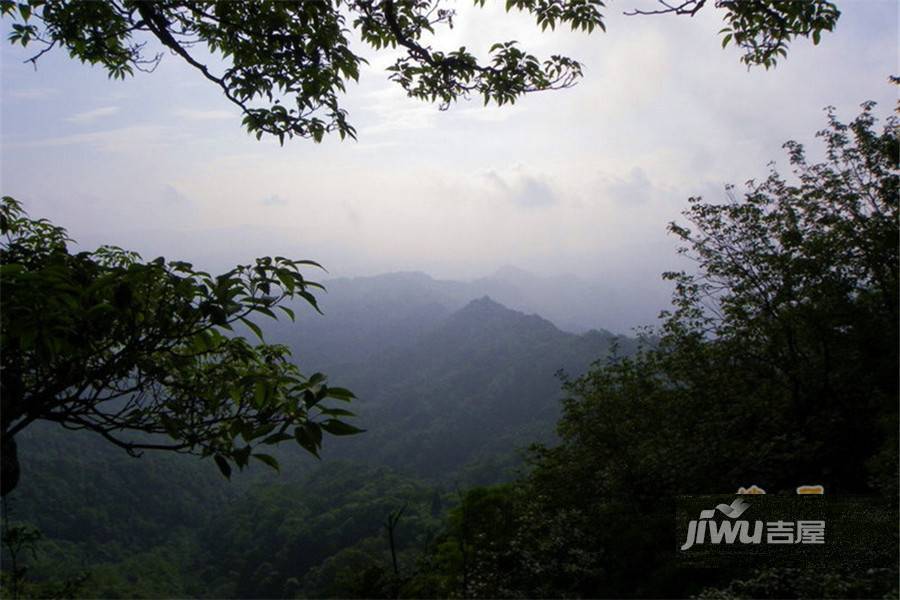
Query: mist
[[583, 181], [545, 325]]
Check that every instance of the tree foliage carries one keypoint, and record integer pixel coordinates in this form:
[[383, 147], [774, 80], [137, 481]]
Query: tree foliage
[[145, 353], [762, 29], [776, 366], [285, 64]]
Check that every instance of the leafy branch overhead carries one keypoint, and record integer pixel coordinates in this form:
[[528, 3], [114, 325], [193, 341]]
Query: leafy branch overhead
[[762, 29], [146, 354], [285, 64]]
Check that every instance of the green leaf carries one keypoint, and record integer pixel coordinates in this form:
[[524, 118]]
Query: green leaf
[[276, 439], [242, 456], [287, 280], [262, 430], [335, 427], [235, 395], [309, 436], [336, 412], [253, 327], [311, 263], [339, 393], [260, 392], [269, 460], [311, 300], [223, 465], [170, 425]]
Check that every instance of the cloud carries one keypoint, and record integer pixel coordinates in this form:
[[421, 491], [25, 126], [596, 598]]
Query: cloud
[[203, 115], [92, 115], [388, 110], [526, 191], [136, 138], [172, 196], [636, 188], [606, 164], [31, 93], [533, 193], [273, 200]]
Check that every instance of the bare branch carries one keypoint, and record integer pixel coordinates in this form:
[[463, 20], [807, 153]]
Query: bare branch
[[688, 7]]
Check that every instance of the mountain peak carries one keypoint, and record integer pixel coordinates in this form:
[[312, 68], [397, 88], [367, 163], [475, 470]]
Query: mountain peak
[[485, 314], [486, 304]]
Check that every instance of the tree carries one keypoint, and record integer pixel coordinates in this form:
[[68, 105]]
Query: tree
[[798, 282], [284, 64], [145, 353], [763, 29], [777, 365]]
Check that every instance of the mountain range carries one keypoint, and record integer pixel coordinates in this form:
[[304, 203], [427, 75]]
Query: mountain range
[[369, 315], [479, 386], [450, 389], [445, 384]]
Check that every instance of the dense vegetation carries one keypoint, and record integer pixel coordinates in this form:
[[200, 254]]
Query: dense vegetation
[[145, 354], [448, 407], [477, 386], [776, 365], [164, 526], [286, 65]]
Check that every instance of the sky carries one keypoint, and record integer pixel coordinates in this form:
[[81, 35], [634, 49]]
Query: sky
[[580, 181]]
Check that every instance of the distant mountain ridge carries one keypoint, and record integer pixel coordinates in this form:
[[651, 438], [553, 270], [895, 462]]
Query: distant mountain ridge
[[450, 390], [477, 386], [366, 315], [448, 377], [570, 302]]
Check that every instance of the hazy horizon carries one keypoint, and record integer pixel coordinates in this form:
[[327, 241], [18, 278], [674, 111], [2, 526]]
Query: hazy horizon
[[580, 181], [496, 357]]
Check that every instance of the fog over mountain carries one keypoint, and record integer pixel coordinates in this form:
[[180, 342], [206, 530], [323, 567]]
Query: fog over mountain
[[368, 315], [479, 384], [316, 299], [451, 382]]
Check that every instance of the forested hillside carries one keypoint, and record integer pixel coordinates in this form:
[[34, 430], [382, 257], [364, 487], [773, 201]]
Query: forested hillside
[[482, 384], [393, 299], [168, 526], [446, 404], [367, 316], [774, 366]]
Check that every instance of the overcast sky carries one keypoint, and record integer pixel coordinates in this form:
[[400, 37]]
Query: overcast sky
[[580, 181]]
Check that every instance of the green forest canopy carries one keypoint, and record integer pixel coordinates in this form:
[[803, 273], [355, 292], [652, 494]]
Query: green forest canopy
[[144, 353], [776, 365]]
